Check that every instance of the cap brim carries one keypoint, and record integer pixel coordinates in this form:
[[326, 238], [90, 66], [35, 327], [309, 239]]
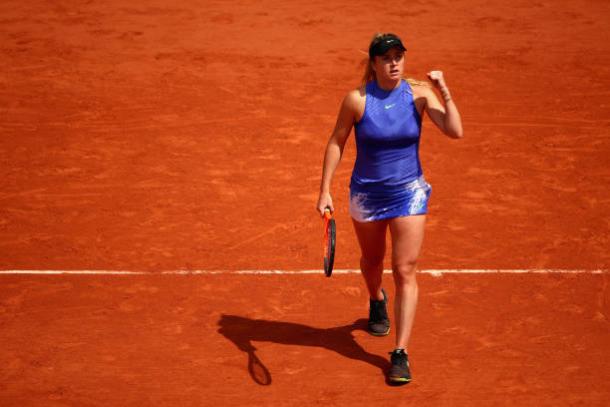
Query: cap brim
[[385, 46]]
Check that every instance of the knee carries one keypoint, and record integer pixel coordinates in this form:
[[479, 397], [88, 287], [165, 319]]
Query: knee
[[404, 272]]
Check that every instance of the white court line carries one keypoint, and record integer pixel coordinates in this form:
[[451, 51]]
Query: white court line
[[433, 272]]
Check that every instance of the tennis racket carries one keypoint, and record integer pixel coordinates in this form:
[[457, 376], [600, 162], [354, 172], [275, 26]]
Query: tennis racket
[[330, 238]]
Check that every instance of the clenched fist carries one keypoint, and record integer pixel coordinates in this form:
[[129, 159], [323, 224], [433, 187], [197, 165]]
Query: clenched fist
[[437, 79]]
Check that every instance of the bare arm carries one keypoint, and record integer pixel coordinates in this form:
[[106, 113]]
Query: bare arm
[[334, 148], [446, 118]]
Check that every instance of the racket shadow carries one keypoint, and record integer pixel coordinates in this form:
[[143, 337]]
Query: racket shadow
[[244, 331]]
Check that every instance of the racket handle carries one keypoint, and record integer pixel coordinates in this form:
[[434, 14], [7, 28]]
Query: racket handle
[[327, 213]]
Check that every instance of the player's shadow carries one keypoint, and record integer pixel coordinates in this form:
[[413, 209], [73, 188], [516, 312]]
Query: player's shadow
[[243, 331]]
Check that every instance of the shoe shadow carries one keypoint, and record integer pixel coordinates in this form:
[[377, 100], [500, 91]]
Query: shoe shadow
[[243, 331]]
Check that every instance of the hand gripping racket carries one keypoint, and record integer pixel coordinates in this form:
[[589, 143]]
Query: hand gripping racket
[[330, 238]]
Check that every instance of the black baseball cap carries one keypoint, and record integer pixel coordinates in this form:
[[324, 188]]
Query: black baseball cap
[[384, 43]]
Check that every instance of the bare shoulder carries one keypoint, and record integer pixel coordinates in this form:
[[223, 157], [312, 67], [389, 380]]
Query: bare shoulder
[[420, 88], [354, 101], [355, 96]]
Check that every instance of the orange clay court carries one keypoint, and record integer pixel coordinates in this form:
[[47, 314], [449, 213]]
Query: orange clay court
[[169, 140]]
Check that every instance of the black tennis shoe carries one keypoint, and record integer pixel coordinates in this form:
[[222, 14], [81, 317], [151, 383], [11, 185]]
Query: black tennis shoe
[[379, 324], [399, 371]]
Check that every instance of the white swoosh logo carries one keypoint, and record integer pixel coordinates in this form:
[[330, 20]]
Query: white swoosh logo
[[390, 106]]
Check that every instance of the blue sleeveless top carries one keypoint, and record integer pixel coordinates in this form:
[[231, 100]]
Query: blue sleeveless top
[[387, 140]]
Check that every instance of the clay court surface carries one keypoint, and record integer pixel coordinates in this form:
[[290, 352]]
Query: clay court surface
[[177, 136]]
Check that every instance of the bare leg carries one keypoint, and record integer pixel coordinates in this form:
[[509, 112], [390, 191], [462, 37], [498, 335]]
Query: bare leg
[[407, 236], [371, 237]]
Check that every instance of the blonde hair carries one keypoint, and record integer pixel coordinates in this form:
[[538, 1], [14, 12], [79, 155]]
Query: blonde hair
[[369, 72]]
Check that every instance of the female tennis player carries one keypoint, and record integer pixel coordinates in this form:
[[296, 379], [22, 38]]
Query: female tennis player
[[387, 188]]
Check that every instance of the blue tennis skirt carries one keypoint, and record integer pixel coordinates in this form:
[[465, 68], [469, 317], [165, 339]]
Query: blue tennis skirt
[[367, 205]]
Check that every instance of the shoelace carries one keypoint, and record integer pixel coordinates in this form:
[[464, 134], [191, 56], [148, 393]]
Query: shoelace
[[399, 359]]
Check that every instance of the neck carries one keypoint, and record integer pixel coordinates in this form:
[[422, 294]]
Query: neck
[[388, 84]]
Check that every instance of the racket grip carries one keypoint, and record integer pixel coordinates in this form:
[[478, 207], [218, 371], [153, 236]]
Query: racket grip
[[327, 213]]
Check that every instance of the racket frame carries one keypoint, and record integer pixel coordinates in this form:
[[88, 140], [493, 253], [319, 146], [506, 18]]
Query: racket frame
[[330, 240]]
